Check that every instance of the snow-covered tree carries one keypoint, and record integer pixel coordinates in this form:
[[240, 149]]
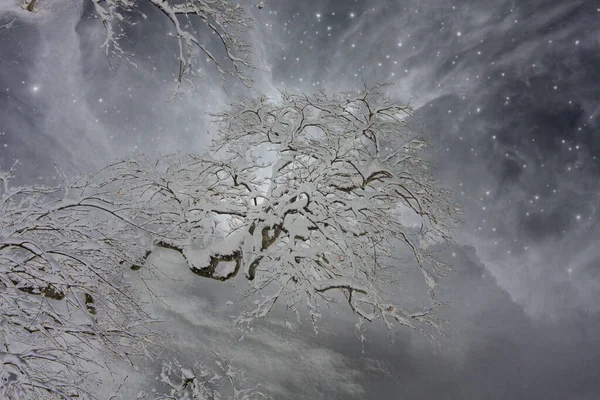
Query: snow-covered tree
[[67, 309], [224, 20], [303, 197], [330, 189], [63, 299]]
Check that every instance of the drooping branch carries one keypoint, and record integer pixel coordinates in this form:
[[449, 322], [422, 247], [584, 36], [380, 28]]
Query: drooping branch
[[62, 295], [305, 197], [226, 20], [345, 172]]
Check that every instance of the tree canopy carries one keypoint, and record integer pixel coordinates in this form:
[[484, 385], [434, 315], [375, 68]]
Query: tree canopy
[[303, 196], [310, 198]]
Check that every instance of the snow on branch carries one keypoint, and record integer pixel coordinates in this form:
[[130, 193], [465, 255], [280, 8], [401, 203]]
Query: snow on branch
[[225, 382], [308, 197], [304, 196], [62, 292], [226, 20], [333, 181]]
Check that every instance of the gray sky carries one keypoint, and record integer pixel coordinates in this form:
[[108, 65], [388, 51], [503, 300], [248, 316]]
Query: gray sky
[[508, 93]]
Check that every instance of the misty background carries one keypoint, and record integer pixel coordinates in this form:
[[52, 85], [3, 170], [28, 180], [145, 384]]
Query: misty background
[[507, 92]]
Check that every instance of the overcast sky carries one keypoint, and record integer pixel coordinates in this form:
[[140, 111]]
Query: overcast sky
[[508, 92]]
